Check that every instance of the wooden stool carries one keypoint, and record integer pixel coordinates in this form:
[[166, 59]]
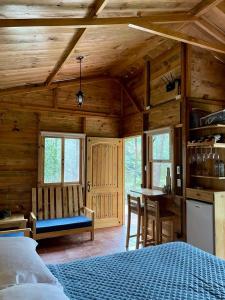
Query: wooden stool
[[135, 207], [152, 211]]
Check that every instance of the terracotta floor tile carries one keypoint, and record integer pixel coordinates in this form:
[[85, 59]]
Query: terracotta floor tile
[[63, 249]]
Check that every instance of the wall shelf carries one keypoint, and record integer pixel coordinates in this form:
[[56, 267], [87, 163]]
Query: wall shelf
[[206, 145], [215, 126], [208, 177]]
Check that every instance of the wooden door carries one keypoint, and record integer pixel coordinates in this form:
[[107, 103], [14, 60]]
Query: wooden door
[[105, 180]]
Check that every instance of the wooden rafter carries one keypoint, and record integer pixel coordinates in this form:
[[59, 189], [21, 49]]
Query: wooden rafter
[[211, 29], [204, 6], [99, 22], [99, 5], [178, 36], [132, 99]]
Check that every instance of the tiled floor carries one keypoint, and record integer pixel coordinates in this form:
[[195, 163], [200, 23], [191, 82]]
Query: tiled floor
[[64, 249]]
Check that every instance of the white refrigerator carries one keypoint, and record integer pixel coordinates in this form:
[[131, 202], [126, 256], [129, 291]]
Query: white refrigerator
[[200, 228]]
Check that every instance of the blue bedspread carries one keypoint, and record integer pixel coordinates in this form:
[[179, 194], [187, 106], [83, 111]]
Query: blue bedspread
[[169, 271]]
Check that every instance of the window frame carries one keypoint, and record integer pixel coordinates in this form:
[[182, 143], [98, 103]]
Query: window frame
[[151, 161], [41, 157]]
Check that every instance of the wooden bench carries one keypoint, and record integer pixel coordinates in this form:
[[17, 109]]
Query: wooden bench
[[58, 211]]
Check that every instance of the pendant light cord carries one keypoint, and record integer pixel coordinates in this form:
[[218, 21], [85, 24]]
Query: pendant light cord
[[80, 73]]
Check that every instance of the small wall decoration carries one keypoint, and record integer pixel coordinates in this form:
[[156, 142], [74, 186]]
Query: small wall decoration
[[171, 83]]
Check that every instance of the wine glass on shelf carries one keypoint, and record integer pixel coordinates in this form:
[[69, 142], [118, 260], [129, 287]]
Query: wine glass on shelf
[[216, 164], [199, 162], [193, 158], [205, 170]]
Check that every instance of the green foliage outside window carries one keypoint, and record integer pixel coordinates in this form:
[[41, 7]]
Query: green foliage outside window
[[52, 162], [133, 163]]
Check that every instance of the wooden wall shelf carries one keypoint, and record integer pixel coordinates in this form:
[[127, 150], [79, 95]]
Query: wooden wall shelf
[[206, 145], [215, 126], [208, 177]]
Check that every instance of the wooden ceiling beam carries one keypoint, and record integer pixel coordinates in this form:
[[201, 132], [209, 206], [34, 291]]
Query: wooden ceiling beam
[[203, 7], [99, 5], [97, 22], [178, 36], [211, 29]]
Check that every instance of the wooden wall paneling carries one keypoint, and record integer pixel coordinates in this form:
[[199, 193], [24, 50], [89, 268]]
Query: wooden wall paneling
[[133, 125], [20, 127], [100, 96], [40, 98], [128, 107], [18, 160], [164, 65], [57, 123], [55, 98], [170, 112], [103, 127], [158, 88], [136, 86], [207, 75]]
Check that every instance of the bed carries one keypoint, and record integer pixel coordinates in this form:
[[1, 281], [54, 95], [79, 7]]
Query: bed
[[169, 271]]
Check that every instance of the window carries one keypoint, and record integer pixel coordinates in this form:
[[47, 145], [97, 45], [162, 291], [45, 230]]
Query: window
[[61, 158], [160, 156]]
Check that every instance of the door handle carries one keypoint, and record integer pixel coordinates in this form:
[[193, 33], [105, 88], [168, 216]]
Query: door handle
[[88, 186]]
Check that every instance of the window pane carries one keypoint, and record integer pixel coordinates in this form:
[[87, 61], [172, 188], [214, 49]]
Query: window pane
[[72, 160], [52, 162], [161, 146], [159, 171]]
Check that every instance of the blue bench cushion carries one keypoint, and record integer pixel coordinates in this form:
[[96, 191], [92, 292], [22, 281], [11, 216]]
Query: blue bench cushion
[[13, 234], [43, 226]]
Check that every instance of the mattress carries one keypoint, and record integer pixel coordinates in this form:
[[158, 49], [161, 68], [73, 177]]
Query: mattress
[[169, 271]]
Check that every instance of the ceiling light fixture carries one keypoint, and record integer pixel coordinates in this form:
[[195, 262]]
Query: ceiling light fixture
[[80, 94]]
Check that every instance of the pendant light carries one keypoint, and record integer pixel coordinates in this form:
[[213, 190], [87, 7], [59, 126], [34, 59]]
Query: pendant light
[[80, 94]]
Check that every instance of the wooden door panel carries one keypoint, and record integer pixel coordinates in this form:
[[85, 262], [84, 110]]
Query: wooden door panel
[[105, 179]]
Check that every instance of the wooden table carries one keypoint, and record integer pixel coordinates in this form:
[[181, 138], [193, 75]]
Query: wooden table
[[15, 221], [152, 232], [149, 193]]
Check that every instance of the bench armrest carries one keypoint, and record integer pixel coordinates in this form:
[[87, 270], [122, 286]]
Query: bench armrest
[[33, 220], [89, 213], [26, 231]]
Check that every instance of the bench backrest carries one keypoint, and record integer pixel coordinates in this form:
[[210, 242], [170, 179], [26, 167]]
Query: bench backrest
[[57, 202]]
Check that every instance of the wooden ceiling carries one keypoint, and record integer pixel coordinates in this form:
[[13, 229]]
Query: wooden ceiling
[[40, 40]]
